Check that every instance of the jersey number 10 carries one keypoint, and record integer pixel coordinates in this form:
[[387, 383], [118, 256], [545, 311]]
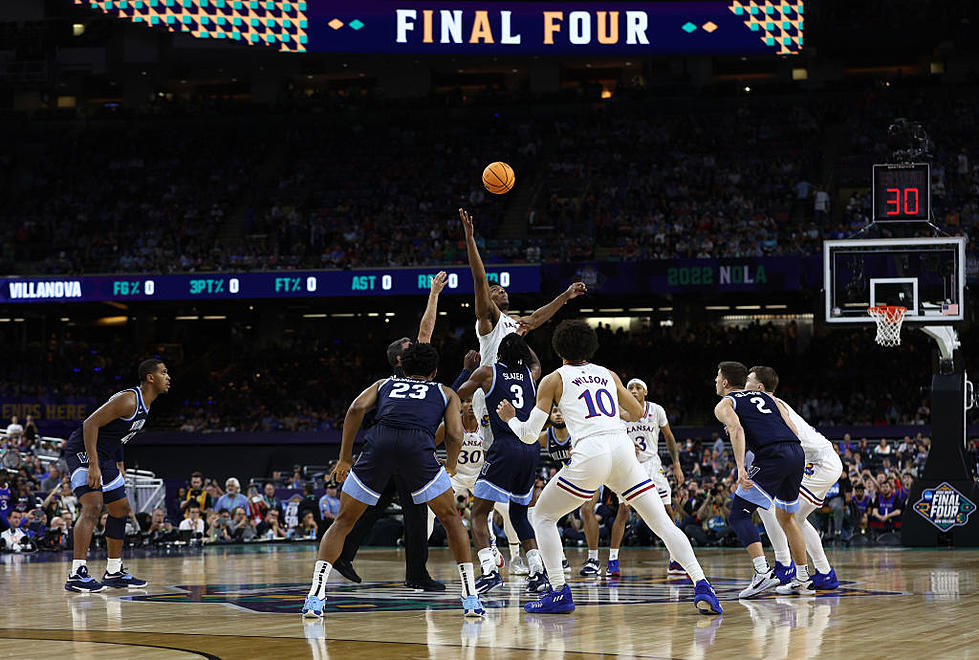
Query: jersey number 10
[[606, 408]]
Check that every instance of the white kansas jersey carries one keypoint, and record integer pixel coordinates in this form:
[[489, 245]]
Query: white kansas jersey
[[490, 344], [589, 402], [813, 442], [644, 432], [471, 455]]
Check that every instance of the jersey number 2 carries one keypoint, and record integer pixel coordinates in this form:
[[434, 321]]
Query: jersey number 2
[[760, 404]]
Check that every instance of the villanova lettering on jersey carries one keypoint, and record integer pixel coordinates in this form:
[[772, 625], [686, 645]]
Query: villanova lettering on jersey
[[114, 434]]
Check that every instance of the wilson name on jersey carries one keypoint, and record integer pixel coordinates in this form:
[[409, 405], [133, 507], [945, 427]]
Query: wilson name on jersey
[[644, 432], [515, 386], [590, 401], [761, 419]]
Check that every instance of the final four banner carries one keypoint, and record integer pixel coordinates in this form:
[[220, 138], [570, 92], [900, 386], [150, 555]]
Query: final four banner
[[479, 28]]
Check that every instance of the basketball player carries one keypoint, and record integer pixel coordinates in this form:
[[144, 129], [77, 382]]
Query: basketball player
[[759, 422], [416, 545], [409, 410], [645, 435], [511, 466], [823, 469], [94, 457], [589, 397], [556, 443]]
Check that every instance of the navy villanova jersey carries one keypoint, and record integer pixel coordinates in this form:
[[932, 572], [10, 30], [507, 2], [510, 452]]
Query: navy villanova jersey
[[410, 404], [517, 387], [115, 434], [760, 417], [560, 452]]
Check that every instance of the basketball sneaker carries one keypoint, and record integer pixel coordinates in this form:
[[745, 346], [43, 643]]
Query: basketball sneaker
[[566, 566], [488, 581], [592, 568], [123, 580], [796, 587], [553, 602], [825, 581], [313, 607], [760, 582], [705, 599], [784, 573], [675, 569], [538, 583], [472, 607], [612, 569], [498, 556], [81, 582], [518, 566]]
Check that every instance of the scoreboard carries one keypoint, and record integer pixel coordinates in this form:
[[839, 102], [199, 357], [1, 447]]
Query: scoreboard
[[254, 285]]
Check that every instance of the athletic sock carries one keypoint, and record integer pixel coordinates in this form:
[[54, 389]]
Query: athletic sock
[[113, 565], [514, 551], [760, 564], [783, 557], [534, 562], [593, 554], [76, 564], [321, 573], [613, 554], [802, 572], [822, 566], [486, 560], [467, 577]]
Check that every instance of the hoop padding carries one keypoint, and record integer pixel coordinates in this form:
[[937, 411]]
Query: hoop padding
[[889, 320]]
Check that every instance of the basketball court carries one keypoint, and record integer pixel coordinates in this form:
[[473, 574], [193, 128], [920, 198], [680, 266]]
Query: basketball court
[[244, 603]]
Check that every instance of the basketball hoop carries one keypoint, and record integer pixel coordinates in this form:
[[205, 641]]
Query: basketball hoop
[[889, 320]]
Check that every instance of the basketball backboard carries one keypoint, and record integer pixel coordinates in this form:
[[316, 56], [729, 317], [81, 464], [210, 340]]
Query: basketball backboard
[[926, 275]]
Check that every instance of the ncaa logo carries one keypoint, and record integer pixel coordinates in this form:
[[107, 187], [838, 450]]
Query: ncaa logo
[[944, 507]]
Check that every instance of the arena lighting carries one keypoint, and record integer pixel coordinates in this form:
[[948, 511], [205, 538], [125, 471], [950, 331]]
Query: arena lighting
[[314, 316], [800, 73], [112, 320], [216, 317], [717, 308], [185, 318], [77, 29]]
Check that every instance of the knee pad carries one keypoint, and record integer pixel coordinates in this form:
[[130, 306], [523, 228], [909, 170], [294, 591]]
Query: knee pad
[[520, 522], [740, 521], [115, 528]]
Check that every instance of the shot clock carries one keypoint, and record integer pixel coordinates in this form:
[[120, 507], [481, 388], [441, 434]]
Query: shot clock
[[902, 193]]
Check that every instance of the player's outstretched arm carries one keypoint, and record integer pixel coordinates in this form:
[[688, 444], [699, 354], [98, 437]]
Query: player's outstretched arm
[[469, 363], [351, 424], [479, 379], [544, 314], [674, 452], [529, 432], [453, 429], [440, 434], [122, 404], [534, 365], [785, 415], [427, 325], [627, 402], [486, 312], [724, 412]]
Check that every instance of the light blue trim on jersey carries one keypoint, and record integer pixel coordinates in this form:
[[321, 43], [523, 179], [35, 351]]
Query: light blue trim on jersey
[[79, 478], [356, 489], [445, 399], [757, 496], [433, 488], [139, 400], [487, 490], [493, 384], [791, 507], [141, 403], [734, 402], [119, 481]]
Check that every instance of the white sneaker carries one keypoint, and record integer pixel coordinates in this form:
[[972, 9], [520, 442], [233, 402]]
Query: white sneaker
[[760, 582], [498, 557], [796, 587], [518, 566]]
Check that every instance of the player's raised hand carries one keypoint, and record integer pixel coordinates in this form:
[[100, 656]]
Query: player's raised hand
[[505, 411], [439, 281], [678, 474], [340, 471], [523, 325], [471, 361], [467, 222], [576, 289]]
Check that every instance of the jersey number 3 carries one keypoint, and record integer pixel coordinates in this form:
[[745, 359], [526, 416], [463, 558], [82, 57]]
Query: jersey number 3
[[400, 391], [517, 392]]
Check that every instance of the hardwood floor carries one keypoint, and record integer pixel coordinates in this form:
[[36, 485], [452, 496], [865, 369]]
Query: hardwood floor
[[244, 602]]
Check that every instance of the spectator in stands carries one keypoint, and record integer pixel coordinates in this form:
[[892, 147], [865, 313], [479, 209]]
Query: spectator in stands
[[193, 522], [329, 505], [197, 494], [886, 510], [306, 529], [15, 432], [232, 497], [218, 527], [242, 528], [53, 479], [269, 499], [160, 528], [271, 527], [310, 504], [14, 539], [296, 481], [883, 448], [60, 500], [24, 499], [58, 536], [31, 434]]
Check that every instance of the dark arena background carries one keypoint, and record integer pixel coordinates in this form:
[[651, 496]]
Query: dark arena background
[[263, 195]]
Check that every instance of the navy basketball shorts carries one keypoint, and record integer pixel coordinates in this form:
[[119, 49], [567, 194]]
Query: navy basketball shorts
[[407, 453], [776, 472], [508, 472], [113, 484]]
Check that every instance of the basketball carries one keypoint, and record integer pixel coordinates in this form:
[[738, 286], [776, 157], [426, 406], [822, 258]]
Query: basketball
[[498, 178]]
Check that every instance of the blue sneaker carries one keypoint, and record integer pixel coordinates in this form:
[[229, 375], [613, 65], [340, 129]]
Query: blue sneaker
[[472, 607], [313, 607], [825, 581], [591, 568], [675, 569], [123, 580], [612, 569], [784, 573], [488, 581], [537, 583], [553, 602], [82, 582], [705, 599]]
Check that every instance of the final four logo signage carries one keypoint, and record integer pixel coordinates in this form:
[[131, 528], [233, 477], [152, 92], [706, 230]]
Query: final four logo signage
[[944, 507]]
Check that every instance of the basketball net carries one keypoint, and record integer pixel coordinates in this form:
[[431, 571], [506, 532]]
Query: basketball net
[[889, 320]]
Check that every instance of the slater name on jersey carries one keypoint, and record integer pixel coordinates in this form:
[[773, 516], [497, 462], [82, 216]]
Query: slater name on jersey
[[512, 375]]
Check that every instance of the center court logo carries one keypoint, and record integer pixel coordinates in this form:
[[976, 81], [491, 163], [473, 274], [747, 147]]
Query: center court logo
[[944, 507]]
